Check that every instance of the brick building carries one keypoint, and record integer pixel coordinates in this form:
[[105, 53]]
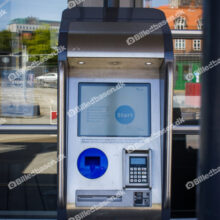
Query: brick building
[[191, 19], [187, 51]]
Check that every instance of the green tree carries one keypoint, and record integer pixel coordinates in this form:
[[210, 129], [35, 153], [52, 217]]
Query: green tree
[[39, 46], [5, 41]]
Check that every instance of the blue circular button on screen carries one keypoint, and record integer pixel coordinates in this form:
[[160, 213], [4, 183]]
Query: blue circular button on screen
[[92, 163], [124, 114]]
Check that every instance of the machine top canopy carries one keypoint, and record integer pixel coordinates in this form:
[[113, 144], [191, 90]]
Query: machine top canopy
[[114, 32]]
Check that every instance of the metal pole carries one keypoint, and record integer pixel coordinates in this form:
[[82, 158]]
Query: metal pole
[[209, 156]]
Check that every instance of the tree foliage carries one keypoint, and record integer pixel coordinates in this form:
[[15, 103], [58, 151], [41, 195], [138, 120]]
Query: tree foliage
[[39, 46], [5, 41]]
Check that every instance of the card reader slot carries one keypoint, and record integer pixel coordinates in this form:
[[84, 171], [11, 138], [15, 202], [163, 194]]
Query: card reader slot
[[98, 198]]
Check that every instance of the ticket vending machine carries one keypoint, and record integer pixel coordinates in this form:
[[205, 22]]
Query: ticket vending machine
[[115, 103]]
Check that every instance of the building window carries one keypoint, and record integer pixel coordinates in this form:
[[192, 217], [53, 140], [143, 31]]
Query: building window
[[197, 45], [180, 44], [174, 3], [180, 23], [185, 2], [199, 24]]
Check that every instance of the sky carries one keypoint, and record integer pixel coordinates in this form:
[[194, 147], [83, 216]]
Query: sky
[[157, 3], [42, 9]]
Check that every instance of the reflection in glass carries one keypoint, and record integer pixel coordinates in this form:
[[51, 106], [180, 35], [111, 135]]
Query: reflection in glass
[[28, 58]]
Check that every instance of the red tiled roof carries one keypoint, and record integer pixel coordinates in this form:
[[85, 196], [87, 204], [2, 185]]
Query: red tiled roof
[[192, 15]]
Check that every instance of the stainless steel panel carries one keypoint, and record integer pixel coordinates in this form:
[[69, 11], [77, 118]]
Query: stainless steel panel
[[169, 119], [61, 139], [187, 129], [120, 141], [111, 28], [105, 40], [114, 46]]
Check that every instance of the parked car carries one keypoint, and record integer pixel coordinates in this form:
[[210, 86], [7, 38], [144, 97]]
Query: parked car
[[49, 79]]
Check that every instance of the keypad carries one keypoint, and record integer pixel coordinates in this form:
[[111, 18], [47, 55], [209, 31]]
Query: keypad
[[138, 174]]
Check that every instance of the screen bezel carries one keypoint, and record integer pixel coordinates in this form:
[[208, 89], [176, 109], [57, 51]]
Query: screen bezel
[[113, 84]]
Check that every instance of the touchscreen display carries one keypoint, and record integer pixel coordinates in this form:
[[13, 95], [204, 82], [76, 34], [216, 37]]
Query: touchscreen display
[[111, 112]]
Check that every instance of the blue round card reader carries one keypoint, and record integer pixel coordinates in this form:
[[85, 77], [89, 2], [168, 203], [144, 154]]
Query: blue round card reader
[[92, 163]]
